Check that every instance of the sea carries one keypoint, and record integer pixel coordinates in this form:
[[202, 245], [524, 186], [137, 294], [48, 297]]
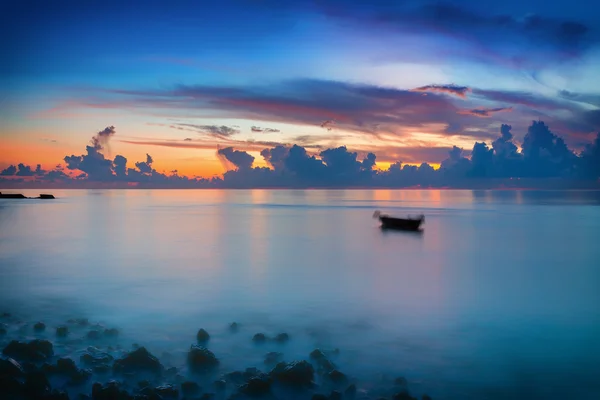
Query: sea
[[497, 298]]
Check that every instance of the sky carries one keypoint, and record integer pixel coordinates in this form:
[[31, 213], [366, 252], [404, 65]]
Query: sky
[[177, 82]]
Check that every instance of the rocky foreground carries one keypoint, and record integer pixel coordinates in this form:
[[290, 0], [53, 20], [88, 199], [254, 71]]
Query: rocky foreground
[[41, 369]]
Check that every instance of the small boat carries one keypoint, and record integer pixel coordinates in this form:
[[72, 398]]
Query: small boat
[[404, 224]]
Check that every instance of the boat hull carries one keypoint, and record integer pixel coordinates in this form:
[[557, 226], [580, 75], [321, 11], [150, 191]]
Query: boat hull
[[400, 223]]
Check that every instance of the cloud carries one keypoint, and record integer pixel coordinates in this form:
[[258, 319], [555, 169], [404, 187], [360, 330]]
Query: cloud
[[484, 112], [213, 130], [145, 167], [102, 137], [460, 91], [544, 155], [266, 130], [187, 139], [9, 171], [240, 159]]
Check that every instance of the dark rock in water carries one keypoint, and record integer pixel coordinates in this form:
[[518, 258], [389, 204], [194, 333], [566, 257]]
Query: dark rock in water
[[36, 350], [171, 372], [202, 336], [93, 335], [143, 384], [220, 384], [10, 387], [319, 397], [234, 326], [109, 392], [425, 397], [137, 361], [321, 360], [296, 373], [62, 331], [236, 377], [5, 315], [401, 381], [57, 395], [95, 357], [256, 387], [201, 359], [39, 327], [335, 395], [36, 385], [336, 376], [350, 391], [259, 338], [112, 332], [282, 337], [189, 388], [2, 331], [167, 391], [66, 367], [404, 395], [10, 368], [273, 357], [207, 396]]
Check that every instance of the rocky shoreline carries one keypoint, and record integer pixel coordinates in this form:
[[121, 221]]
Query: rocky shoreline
[[81, 360]]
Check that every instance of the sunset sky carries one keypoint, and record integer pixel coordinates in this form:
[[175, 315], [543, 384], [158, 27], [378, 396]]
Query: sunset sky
[[405, 80]]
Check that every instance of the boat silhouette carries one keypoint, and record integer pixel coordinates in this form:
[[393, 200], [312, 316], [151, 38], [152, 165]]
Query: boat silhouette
[[403, 224]]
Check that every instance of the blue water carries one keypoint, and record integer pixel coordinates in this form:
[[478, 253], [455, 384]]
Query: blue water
[[498, 298]]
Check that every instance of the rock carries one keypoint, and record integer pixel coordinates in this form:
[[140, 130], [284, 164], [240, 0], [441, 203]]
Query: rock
[[10, 368], [220, 384], [336, 376], [256, 387], [39, 327], [93, 335], [234, 326], [201, 359], [62, 331], [335, 395], [5, 315], [112, 332], [95, 357], [171, 372], [137, 361], [321, 360], [319, 397], [57, 395], [259, 338], [425, 397], [143, 384], [2, 331], [189, 388], [110, 391], [66, 367], [167, 391], [235, 377], [282, 337], [202, 336], [273, 358], [11, 387], [350, 391], [207, 396], [403, 395], [36, 350], [36, 385], [296, 373]]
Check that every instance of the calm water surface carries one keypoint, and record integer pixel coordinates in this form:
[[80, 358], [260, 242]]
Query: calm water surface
[[498, 298]]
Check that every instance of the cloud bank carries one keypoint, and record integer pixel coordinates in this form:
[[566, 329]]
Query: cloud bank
[[543, 156]]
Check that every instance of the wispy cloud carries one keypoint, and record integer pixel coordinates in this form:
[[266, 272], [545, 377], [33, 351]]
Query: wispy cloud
[[484, 112]]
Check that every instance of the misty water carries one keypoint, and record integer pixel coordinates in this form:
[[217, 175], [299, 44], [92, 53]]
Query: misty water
[[499, 297]]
